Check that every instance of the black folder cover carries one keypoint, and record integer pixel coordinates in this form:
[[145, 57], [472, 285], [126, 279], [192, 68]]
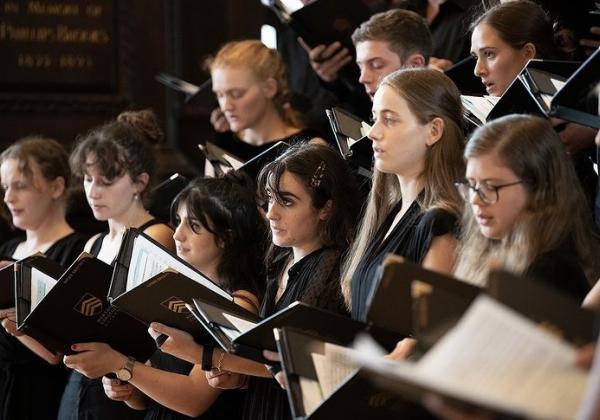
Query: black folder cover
[[426, 304], [354, 398], [326, 21], [298, 316], [571, 102], [347, 127], [218, 158], [463, 76], [163, 195], [544, 304], [76, 310], [163, 299], [8, 278], [7, 286]]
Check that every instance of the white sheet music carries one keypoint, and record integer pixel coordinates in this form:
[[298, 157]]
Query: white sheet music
[[333, 367], [242, 325], [497, 357], [311, 394], [41, 284], [480, 106], [148, 260]]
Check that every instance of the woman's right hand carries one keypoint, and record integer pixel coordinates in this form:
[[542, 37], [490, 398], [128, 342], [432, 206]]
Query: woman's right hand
[[117, 390], [178, 343], [4, 263]]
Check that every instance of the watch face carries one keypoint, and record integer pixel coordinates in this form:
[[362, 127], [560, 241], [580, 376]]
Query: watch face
[[124, 374]]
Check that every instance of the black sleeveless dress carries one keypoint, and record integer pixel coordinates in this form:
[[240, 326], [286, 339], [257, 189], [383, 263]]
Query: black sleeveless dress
[[30, 388], [84, 398]]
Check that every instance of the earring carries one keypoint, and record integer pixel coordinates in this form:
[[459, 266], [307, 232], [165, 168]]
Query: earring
[[136, 197]]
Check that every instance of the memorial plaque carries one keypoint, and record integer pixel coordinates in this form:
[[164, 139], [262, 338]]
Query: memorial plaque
[[68, 46]]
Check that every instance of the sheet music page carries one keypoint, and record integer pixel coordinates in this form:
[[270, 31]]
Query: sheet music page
[[242, 325], [497, 355], [333, 367], [494, 357], [558, 84], [148, 260], [364, 128], [41, 284], [311, 394], [480, 106]]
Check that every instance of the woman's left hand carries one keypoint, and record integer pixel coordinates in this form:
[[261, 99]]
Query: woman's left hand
[[9, 321], [94, 359], [224, 379]]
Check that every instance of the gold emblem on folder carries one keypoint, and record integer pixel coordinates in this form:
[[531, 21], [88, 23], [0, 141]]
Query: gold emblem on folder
[[175, 304], [89, 305]]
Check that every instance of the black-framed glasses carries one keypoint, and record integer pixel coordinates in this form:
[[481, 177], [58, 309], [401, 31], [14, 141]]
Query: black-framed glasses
[[487, 193]]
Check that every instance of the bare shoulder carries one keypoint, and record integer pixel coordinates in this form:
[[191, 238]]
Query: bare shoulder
[[162, 234]]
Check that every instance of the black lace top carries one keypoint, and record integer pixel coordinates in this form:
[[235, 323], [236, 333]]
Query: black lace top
[[314, 280], [411, 238]]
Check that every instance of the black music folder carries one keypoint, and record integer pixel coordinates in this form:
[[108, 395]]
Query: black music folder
[[163, 194], [325, 22], [531, 92], [189, 90], [223, 160], [494, 358], [426, 303], [354, 146], [545, 305], [247, 336], [150, 283], [320, 388], [7, 276], [463, 76], [73, 308]]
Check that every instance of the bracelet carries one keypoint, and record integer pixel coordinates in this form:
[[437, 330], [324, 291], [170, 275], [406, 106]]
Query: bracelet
[[274, 369], [207, 356], [220, 364]]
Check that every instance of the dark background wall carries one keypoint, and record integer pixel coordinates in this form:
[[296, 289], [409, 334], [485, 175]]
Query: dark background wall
[[115, 50]]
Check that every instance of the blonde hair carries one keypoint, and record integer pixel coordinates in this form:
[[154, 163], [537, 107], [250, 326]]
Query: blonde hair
[[557, 210], [429, 94], [265, 63]]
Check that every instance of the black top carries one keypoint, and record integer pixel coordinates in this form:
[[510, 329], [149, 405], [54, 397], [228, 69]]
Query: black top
[[64, 251], [84, 398], [449, 30], [411, 238], [561, 269], [314, 280], [228, 405], [30, 388]]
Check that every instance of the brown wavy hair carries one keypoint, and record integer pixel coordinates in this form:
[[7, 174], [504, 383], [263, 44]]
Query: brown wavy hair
[[557, 209], [429, 94]]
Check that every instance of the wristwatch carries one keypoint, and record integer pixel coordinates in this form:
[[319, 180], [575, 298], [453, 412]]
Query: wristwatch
[[126, 372]]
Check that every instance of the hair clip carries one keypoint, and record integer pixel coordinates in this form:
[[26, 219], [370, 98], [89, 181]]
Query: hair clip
[[317, 177]]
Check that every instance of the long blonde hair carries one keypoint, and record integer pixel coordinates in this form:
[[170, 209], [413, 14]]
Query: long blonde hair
[[429, 94], [264, 63], [557, 210]]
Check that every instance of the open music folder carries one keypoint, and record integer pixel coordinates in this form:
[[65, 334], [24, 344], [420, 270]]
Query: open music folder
[[545, 305], [325, 22], [546, 88], [7, 276], [59, 311], [351, 137], [323, 382], [150, 283], [496, 359], [222, 161], [248, 336]]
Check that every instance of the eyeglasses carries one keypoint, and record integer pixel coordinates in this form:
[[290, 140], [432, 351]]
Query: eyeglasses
[[487, 193]]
